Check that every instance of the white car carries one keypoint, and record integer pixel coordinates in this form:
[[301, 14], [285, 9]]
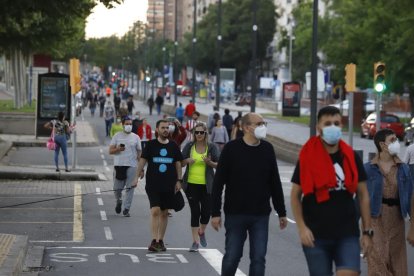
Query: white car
[[368, 104]]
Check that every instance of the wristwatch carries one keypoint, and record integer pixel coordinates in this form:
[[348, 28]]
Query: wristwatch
[[180, 180], [368, 232]]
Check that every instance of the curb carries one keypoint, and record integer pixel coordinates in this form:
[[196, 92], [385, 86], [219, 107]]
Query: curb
[[72, 176], [15, 254]]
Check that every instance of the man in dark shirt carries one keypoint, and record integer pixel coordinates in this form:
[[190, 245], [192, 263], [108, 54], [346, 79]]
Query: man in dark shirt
[[326, 178], [250, 183], [163, 180], [228, 121]]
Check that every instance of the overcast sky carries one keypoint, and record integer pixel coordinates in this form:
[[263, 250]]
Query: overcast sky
[[105, 22]]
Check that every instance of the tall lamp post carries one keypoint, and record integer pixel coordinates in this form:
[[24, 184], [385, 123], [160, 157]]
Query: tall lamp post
[[175, 53], [194, 49], [218, 54], [291, 38], [314, 70], [254, 50]]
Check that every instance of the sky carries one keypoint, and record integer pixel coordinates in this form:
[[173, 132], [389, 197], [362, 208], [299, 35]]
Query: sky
[[103, 22]]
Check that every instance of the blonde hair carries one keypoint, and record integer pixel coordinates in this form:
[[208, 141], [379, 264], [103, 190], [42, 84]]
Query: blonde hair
[[204, 126]]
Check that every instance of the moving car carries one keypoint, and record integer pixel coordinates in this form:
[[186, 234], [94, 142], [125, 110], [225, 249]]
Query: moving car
[[388, 120]]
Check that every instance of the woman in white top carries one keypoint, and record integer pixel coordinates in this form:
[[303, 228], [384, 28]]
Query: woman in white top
[[219, 135]]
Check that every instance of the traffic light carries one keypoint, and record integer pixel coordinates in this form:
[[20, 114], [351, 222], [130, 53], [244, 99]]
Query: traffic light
[[379, 77], [147, 78], [350, 77]]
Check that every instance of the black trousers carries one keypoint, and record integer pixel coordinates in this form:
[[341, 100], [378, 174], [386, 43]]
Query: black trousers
[[200, 204]]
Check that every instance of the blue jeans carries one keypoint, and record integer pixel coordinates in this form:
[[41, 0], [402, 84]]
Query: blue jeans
[[61, 143], [237, 227], [344, 252], [108, 125]]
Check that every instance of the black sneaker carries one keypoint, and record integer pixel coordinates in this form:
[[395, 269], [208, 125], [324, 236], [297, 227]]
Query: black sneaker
[[126, 213], [162, 246], [154, 246], [118, 207]]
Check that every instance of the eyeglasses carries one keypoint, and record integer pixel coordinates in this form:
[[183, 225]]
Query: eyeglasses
[[199, 132], [259, 124]]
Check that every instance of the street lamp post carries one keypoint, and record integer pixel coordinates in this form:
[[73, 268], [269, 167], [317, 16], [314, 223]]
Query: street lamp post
[[254, 50], [291, 38], [175, 53], [194, 49], [314, 70], [218, 54]]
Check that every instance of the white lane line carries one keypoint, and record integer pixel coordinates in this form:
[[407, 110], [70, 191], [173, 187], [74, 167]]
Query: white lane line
[[98, 191], [105, 163], [214, 257], [108, 233], [182, 258], [100, 201], [288, 219], [101, 151], [103, 215], [107, 169], [103, 156]]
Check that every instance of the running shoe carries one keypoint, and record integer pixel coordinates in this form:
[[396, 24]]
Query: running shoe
[[203, 240], [118, 207], [162, 246], [154, 246], [194, 247]]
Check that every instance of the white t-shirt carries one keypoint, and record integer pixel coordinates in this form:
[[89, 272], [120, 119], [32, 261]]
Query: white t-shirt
[[128, 157]]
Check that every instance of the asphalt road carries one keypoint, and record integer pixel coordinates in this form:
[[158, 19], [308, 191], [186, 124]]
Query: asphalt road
[[84, 236]]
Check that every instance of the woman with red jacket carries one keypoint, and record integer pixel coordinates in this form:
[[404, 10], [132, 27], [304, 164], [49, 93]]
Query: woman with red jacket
[[145, 133]]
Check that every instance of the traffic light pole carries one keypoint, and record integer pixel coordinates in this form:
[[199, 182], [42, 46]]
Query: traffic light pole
[[314, 70], [351, 118], [378, 111]]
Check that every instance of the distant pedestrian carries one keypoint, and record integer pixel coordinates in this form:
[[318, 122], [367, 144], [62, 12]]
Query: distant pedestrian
[[177, 132], [61, 128], [102, 100], [137, 122], [189, 110], [117, 103], [239, 116], [109, 116], [201, 159], [409, 158], [92, 107], [326, 180], [179, 113], [145, 133], [126, 148], [228, 121], [191, 124], [159, 101], [211, 121], [237, 131], [390, 188], [130, 105], [150, 104], [163, 180], [251, 179], [116, 127], [219, 135], [123, 110]]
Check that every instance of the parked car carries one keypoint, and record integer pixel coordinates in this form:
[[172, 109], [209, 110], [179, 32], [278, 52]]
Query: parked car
[[186, 91], [388, 120], [369, 105], [409, 133]]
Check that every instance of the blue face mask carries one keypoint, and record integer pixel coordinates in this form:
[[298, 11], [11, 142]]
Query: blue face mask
[[331, 134]]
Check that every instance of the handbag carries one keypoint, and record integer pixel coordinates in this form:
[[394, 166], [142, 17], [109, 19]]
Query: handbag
[[178, 201], [50, 144]]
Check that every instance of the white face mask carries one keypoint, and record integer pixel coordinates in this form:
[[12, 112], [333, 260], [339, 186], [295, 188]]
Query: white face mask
[[260, 132], [394, 148], [171, 128], [128, 128]]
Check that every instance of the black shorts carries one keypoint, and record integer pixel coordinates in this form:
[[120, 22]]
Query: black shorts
[[164, 200]]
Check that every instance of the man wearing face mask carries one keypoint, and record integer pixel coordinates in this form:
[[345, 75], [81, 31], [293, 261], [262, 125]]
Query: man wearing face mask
[[390, 188], [327, 176], [250, 183], [126, 148]]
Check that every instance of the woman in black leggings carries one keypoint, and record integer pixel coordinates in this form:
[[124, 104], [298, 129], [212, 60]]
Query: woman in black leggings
[[201, 158]]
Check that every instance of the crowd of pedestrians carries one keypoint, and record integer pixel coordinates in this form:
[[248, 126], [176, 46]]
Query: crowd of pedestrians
[[332, 190]]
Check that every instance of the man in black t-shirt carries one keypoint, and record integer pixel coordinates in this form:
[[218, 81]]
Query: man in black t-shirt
[[163, 180], [326, 178]]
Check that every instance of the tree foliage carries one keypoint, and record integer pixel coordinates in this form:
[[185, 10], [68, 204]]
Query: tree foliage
[[361, 32]]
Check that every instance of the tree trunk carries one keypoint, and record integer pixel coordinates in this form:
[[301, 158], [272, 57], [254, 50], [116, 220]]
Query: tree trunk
[[19, 78]]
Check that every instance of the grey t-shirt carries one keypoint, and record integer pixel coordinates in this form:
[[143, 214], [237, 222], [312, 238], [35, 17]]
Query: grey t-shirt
[[128, 157]]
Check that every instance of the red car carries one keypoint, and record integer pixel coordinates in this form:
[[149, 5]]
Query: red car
[[186, 91], [391, 121]]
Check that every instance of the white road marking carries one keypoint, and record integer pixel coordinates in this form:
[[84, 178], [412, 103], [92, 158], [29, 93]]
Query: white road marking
[[100, 201], [182, 258], [101, 150], [78, 234], [107, 169], [105, 163], [214, 257], [108, 233], [103, 215], [98, 191], [103, 156]]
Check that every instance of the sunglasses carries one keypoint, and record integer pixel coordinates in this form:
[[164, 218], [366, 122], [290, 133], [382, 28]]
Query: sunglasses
[[199, 132]]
